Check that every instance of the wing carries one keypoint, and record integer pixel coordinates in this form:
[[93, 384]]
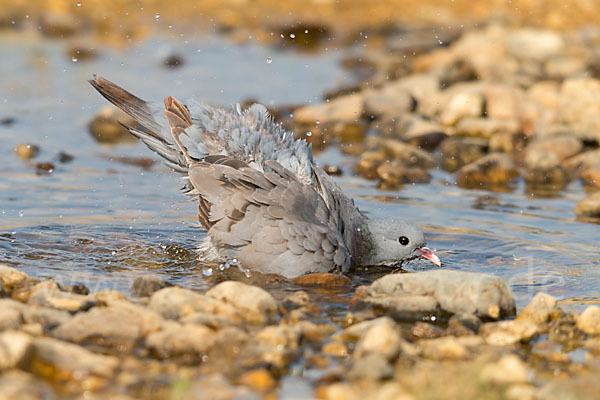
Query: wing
[[271, 221]]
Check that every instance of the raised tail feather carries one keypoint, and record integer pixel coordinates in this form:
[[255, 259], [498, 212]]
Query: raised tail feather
[[157, 135]]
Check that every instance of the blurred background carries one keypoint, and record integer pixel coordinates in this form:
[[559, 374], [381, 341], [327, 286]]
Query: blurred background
[[479, 120]]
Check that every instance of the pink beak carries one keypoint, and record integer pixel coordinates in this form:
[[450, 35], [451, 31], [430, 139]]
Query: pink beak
[[430, 255]]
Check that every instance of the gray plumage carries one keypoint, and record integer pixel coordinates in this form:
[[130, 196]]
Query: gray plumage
[[261, 196]]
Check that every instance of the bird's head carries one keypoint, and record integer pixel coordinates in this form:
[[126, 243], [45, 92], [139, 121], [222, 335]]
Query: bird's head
[[396, 241]]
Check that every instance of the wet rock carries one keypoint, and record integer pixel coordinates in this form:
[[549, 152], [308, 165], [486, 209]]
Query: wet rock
[[65, 157], [47, 318], [508, 370], [70, 366], [27, 151], [14, 348], [457, 151], [209, 320], [407, 154], [424, 330], [382, 338], [173, 61], [344, 108], [81, 52], [543, 169], [368, 163], [441, 293], [591, 176], [10, 315], [534, 44], [33, 287], [59, 25], [589, 321], [583, 161], [280, 337], [175, 303], [105, 127], [579, 103], [461, 105], [508, 332], [589, 207], [545, 93], [189, 341], [463, 324], [507, 142], [347, 131], [449, 348], [42, 168], [495, 170], [259, 380], [118, 327], [146, 286], [394, 174], [539, 309], [562, 146], [486, 128], [215, 386], [255, 304], [333, 170], [60, 300], [373, 366], [414, 128], [502, 103], [400, 96], [521, 392], [322, 279], [15, 384], [11, 276], [336, 349]]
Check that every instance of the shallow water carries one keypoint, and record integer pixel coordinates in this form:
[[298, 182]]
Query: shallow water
[[103, 223]]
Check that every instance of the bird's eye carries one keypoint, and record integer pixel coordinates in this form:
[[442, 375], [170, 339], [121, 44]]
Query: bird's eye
[[403, 240]]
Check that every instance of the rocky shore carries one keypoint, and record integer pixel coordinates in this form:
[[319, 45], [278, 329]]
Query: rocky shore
[[436, 334]]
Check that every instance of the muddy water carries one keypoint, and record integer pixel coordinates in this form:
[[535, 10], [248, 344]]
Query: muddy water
[[103, 223]]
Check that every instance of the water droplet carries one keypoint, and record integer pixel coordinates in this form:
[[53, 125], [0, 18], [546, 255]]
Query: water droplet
[[306, 31], [207, 271], [21, 213], [74, 59], [309, 133], [269, 60], [78, 4], [292, 35], [157, 16], [114, 252], [318, 122]]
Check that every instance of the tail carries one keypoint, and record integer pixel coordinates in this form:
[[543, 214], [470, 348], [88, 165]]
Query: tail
[[156, 134]]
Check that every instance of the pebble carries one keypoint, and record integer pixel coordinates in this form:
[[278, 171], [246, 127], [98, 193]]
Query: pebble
[[372, 366], [14, 347], [16, 384], [502, 103], [71, 366], [486, 128], [460, 105], [510, 369], [407, 154], [445, 348], [539, 309], [457, 151], [382, 338], [509, 332], [562, 147], [105, 127], [10, 314], [394, 174], [27, 151], [589, 321], [494, 171], [256, 305], [189, 341], [146, 286], [534, 44], [544, 169], [442, 292], [117, 327], [368, 163], [579, 102], [589, 207], [175, 302], [11, 276], [259, 380], [336, 349]]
